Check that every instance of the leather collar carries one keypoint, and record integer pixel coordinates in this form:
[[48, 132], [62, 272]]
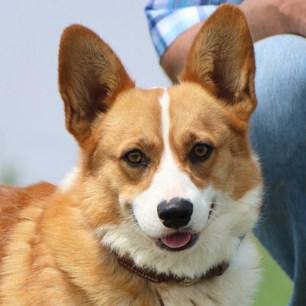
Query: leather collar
[[158, 278]]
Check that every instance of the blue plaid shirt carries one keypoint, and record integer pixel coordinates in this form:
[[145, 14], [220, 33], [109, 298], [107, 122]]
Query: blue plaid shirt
[[169, 18]]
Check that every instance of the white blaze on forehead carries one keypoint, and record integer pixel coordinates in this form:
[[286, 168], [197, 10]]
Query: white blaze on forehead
[[167, 183], [170, 178], [165, 119]]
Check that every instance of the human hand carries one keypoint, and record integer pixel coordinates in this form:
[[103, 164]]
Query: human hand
[[271, 17]]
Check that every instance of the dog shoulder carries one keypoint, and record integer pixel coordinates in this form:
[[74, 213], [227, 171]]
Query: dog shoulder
[[13, 200]]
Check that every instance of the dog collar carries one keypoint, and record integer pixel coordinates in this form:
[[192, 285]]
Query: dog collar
[[158, 278]]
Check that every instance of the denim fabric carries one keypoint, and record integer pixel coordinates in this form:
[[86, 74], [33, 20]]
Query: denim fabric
[[278, 133]]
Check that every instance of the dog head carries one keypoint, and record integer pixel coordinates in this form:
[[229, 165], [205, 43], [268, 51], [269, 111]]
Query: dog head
[[166, 176]]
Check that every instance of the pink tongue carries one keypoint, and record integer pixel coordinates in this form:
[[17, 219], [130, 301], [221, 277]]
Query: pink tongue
[[177, 240]]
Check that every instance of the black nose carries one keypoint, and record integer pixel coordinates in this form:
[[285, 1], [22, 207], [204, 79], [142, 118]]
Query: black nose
[[175, 213]]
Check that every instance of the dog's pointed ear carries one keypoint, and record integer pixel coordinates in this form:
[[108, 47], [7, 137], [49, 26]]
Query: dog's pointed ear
[[221, 60], [90, 77]]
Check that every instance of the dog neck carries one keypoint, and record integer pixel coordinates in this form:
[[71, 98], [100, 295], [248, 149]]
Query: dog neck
[[158, 278]]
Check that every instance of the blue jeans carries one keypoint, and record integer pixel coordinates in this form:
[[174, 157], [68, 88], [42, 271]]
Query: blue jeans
[[278, 134]]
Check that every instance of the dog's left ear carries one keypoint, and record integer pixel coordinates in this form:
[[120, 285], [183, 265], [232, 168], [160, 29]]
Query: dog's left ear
[[90, 77], [221, 60]]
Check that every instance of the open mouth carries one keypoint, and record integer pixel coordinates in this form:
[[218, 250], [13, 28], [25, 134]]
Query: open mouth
[[177, 242]]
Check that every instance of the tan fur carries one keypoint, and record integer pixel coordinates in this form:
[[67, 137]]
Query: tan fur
[[13, 201], [212, 123], [50, 252]]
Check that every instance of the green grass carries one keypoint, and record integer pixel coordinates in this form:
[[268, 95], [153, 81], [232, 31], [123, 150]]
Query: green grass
[[275, 288]]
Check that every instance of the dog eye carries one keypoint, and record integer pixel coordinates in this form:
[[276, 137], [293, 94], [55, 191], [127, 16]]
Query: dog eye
[[200, 152], [135, 158]]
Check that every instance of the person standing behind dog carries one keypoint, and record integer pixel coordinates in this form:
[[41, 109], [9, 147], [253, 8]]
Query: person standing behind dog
[[278, 127]]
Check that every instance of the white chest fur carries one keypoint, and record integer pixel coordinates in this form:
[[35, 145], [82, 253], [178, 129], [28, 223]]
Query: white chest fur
[[234, 288]]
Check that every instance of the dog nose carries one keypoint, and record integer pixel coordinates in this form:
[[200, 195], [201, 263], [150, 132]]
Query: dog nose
[[175, 213]]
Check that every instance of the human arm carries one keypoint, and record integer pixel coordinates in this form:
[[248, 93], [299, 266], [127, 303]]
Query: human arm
[[272, 17], [265, 18]]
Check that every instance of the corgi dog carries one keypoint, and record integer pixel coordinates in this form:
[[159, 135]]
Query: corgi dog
[[166, 192]]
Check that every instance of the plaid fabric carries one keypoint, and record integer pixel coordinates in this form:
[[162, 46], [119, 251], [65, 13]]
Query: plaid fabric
[[169, 18]]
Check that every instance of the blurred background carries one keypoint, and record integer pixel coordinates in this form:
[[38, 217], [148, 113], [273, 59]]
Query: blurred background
[[34, 144], [33, 140]]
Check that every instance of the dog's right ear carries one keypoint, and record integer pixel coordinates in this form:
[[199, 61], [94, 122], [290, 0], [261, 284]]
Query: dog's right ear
[[90, 77]]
